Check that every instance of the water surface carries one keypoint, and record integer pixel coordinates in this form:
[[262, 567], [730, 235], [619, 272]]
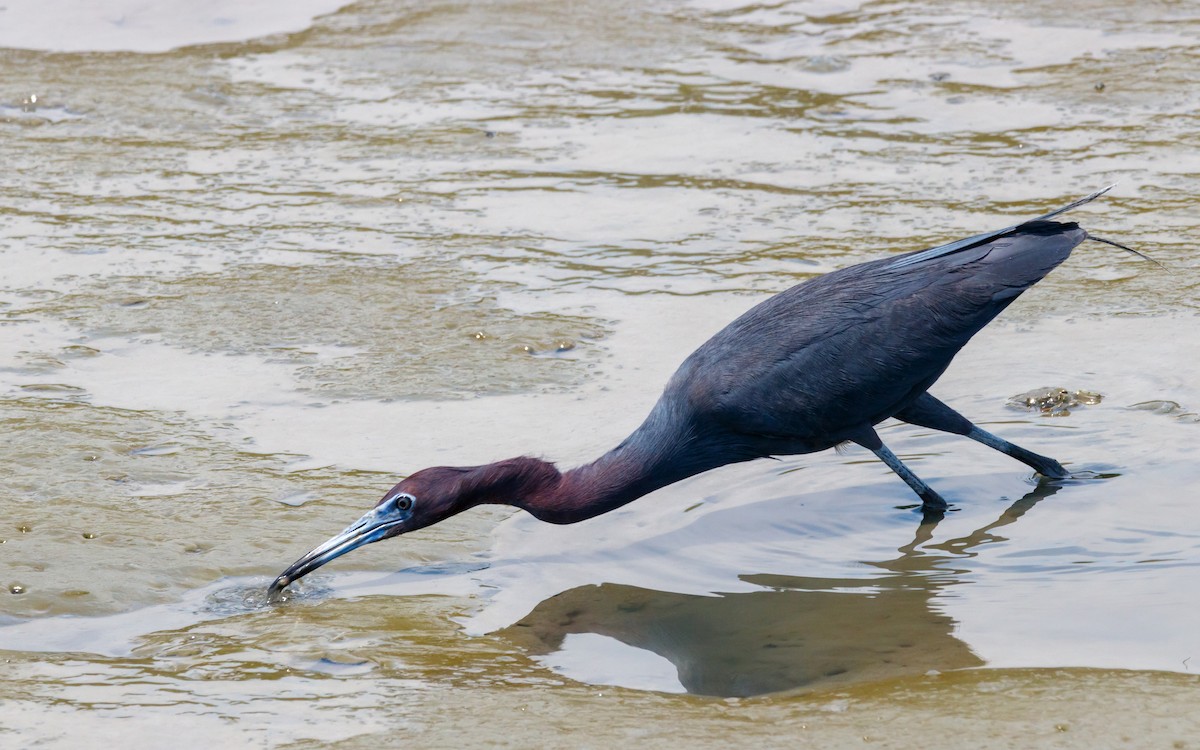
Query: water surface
[[252, 273]]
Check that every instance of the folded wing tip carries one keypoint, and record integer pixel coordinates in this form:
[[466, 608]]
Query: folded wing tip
[[934, 252]]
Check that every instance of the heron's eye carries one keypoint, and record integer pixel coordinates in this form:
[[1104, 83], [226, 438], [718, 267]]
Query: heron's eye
[[404, 502]]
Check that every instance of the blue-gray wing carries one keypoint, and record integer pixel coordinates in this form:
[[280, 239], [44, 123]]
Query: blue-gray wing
[[849, 349]]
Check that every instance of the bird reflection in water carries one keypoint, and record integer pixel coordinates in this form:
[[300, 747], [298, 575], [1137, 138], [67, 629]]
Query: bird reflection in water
[[796, 632]]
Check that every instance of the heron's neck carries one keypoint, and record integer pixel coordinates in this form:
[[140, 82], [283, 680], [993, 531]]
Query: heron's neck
[[587, 491], [657, 454]]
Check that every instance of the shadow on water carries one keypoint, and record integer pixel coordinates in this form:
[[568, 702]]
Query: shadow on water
[[796, 632]]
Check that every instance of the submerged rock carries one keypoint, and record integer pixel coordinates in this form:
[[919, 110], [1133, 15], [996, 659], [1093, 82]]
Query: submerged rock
[[1054, 401]]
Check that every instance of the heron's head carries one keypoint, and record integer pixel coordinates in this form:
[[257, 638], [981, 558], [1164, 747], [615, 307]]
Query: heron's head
[[427, 497]]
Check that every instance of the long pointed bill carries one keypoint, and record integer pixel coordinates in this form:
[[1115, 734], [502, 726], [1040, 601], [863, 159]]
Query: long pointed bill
[[379, 523]]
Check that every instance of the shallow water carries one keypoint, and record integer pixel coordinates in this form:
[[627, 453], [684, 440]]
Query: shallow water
[[257, 266]]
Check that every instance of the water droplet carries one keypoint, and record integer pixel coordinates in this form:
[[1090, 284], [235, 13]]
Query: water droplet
[[1158, 406], [332, 666], [78, 350], [296, 499], [51, 388], [88, 535], [158, 449], [16, 588], [825, 64], [24, 528]]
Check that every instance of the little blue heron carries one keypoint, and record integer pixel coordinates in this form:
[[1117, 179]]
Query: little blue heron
[[811, 368]]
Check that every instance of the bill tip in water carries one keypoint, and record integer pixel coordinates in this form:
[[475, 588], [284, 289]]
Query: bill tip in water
[[275, 590]]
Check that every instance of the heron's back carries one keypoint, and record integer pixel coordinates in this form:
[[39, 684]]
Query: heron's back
[[855, 346]]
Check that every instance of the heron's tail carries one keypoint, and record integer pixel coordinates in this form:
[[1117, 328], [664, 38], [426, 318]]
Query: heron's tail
[[964, 244]]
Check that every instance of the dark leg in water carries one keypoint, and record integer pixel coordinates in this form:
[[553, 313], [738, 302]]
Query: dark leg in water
[[927, 411], [930, 500]]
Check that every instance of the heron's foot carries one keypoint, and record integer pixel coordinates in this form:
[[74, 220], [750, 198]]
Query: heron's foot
[[932, 502], [1079, 476], [1049, 468]]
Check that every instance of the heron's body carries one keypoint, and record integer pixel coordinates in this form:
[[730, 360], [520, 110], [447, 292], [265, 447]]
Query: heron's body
[[815, 366], [822, 362], [818, 365]]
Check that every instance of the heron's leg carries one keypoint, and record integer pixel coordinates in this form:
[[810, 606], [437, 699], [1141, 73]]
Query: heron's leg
[[927, 411], [1043, 465], [930, 500]]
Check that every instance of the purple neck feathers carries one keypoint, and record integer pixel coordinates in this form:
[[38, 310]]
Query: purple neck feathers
[[657, 454], [587, 491], [539, 488]]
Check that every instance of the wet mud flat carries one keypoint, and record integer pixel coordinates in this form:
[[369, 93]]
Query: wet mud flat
[[248, 280]]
